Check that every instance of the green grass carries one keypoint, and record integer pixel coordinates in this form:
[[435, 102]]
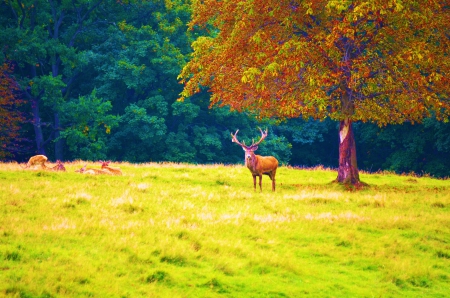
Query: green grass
[[175, 230]]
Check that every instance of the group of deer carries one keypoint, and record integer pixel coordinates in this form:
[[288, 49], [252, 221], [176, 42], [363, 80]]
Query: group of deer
[[40, 160], [257, 164]]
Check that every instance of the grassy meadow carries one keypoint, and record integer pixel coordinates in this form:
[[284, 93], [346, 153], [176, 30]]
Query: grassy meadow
[[178, 230]]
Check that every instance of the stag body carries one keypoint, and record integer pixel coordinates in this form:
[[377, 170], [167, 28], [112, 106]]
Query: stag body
[[257, 164]]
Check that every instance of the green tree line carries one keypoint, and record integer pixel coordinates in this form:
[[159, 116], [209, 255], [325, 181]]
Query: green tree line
[[98, 80]]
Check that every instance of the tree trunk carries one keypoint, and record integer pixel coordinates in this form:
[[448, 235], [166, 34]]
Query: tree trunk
[[59, 145], [38, 135], [37, 127], [348, 168]]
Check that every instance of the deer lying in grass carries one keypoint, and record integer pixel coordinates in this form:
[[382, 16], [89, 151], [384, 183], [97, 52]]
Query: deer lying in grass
[[91, 171], [257, 164], [59, 167], [113, 171], [36, 160]]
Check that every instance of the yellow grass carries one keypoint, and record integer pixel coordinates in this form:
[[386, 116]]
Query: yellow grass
[[181, 230]]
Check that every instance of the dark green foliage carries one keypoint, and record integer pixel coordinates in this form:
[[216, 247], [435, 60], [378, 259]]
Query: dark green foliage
[[87, 126], [106, 87], [139, 135], [313, 142], [423, 149]]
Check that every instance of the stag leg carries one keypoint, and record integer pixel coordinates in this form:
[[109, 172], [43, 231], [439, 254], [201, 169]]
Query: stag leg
[[273, 180], [260, 185], [254, 182], [272, 176]]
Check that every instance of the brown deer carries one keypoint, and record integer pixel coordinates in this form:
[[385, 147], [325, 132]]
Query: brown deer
[[59, 167], [113, 171], [257, 164], [91, 171], [36, 160]]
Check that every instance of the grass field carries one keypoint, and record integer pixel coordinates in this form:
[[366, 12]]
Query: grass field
[[177, 230]]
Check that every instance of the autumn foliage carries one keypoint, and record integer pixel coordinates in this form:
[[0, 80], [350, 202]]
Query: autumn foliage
[[10, 117], [379, 61]]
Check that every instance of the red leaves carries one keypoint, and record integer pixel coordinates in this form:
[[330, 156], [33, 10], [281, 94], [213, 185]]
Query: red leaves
[[10, 117]]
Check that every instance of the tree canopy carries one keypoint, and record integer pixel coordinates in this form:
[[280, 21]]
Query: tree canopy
[[379, 61]]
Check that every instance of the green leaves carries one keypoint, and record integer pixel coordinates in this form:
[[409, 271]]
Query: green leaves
[[51, 89], [139, 136], [186, 109], [87, 125]]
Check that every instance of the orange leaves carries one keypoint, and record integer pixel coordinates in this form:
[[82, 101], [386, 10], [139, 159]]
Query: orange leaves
[[285, 59]]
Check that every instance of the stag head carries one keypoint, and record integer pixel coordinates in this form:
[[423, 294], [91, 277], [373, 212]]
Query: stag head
[[249, 150]]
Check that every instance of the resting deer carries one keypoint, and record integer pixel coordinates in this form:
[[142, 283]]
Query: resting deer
[[36, 160], [257, 164], [59, 167], [91, 171], [113, 171]]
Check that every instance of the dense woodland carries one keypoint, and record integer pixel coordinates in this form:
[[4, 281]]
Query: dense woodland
[[99, 80]]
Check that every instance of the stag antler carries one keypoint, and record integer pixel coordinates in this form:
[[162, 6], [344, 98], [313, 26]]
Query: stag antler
[[235, 140], [263, 136]]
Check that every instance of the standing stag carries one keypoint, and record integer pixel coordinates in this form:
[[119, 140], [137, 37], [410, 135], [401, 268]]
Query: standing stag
[[257, 164]]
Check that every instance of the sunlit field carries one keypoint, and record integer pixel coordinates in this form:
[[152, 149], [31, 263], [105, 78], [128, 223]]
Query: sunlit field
[[178, 230]]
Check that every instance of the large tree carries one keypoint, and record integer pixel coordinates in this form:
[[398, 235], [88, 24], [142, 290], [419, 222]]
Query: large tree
[[384, 61], [45, 39]]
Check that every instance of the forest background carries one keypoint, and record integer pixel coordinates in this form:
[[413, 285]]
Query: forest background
[[97, 80]]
